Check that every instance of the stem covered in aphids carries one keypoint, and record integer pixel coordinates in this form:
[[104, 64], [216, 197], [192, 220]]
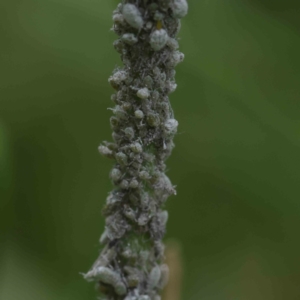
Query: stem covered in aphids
[[130, 265]]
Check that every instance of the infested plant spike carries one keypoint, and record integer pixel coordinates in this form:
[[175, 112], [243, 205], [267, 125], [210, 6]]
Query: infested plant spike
[[131, 263]]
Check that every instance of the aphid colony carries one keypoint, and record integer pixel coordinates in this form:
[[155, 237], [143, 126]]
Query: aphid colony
[[130, 265]]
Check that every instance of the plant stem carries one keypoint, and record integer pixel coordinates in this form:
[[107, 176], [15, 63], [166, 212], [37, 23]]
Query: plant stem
[[130, 265]]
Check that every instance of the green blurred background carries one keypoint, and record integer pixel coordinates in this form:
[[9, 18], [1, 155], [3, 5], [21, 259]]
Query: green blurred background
[[236, 164]]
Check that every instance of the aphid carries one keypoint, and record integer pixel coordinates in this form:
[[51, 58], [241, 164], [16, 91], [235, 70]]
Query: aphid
[[117, 78], [171, 126], [107, 276], [129, 38], [164, 4], [113, 98], [136, 83], [115, 174], [122, 158], [118, 45], [156, 71], [116, 137], [105, 151], [163, 76], [128, 254], [136, 166], [179, 8], [158, 224], [165, 107], [114, 122], [133, 16], [173, 44], [153, 278], [144, 175], [111, 146], [149, 157], [109, 209], [176, 58], [143, 131], [155, 176], [144, 297], [129, 132], [171, 86], [136, 147], [148, 81], [118, 8], [130, 297], [134, 184], [139, 114], [168, 146], [105, 257], [112, 199], [164, 188], [132, 155], [129, 213], [116, 226], [153, 120], [133, 277], [119, 95], [158, 39], [153, 6], [126, 106], [163, 217], [155, 95], [159, 248], [143, 219], [100, 288], [132, 280], [118, 18], [104, 238], [119, 112], [124, 184], [172, 73], [134, 199], [164, 278], [148, 25], [145, 200], [143, 93], [143, 256], [158, 16], [127, 63]]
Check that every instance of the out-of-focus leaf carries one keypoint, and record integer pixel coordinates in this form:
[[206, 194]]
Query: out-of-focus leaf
[[5, 166]]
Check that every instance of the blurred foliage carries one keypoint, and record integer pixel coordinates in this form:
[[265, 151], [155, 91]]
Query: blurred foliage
[[5, 161], [236, 163]]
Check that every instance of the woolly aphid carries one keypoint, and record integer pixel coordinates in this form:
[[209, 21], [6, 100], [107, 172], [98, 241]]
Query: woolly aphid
[[158, 39], [133, 16], [130, 265], [179, 8]]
